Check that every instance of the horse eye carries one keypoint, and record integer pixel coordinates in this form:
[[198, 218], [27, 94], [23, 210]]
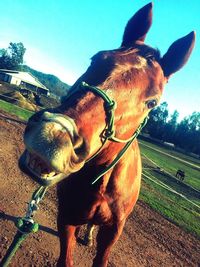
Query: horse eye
[[151, 104]]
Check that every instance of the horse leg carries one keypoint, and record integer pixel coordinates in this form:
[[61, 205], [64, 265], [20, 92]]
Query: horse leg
[[88, 240], [106, 238], [67, 243]]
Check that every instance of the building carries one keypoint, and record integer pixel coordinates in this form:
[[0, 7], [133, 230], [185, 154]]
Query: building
[[25, 80]]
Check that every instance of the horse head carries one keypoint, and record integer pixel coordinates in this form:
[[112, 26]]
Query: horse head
[[61, 140]]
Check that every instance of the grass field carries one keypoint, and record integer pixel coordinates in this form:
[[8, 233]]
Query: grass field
[[173, 207], [15, 110], [171, 164], [178, 202], [173, 152]]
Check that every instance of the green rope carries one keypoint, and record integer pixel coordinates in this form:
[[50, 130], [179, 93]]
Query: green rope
[[121, 153], [109, 105], [25, 226], [18, 239], [109, 132]]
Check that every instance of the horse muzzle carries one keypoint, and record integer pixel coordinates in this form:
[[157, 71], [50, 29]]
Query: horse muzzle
[[54, 149]]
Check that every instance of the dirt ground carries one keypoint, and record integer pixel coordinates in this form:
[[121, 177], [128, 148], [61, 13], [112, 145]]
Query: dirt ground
[[147, 240]]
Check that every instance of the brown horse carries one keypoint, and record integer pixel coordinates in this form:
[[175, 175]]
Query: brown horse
[[77, 141]]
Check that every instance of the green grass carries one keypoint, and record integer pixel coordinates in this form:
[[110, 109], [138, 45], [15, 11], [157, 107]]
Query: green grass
[[171, 165], [173, 152], [15, 110], [179, 187], [175, 208]]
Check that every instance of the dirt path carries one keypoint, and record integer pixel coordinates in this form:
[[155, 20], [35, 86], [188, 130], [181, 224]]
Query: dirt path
[[148, 239]]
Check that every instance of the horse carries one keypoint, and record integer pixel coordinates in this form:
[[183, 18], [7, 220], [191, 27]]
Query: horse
[[180, 174], [88, 145]]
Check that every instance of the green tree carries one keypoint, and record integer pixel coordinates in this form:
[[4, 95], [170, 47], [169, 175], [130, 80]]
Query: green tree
[[157, 121], [12, 57], [188, 133], [3, 58], [185, 134], [171, 127], [194, 133]]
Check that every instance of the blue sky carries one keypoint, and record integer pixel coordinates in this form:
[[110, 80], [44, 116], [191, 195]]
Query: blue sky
[[61, 36]]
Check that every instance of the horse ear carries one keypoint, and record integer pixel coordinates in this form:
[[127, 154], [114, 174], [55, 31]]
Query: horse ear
[[138, 26], [178, 54]]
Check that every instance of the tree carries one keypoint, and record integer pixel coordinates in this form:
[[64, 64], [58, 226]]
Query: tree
[[3, 58], [171, 127], [194, 133], [2, 52], [174, 118], [185, 134], [12, 57], [188, 133], [157, 121]]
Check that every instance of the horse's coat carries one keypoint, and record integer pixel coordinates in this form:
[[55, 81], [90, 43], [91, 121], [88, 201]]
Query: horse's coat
[[60, 141]]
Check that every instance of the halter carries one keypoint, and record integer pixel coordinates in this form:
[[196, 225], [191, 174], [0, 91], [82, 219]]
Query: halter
[[109, 132], [110, 106]]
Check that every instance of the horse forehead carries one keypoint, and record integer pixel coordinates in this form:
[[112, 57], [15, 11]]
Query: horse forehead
[[139, 49], [156, 80]]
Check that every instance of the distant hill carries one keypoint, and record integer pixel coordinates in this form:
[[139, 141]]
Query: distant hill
[[55, 85]]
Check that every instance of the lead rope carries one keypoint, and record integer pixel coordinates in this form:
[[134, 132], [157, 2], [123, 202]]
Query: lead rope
[[25, 225]]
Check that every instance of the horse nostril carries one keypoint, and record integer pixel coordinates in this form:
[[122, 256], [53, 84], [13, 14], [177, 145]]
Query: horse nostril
[[38, 117], [78, 142], [46, 115]]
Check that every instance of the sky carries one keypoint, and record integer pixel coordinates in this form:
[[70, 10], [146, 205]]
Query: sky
[[61, 36]]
